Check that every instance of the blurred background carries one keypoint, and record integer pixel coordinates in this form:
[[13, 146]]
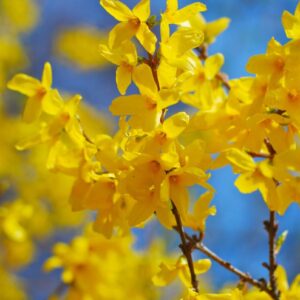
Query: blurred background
[[236, 234]]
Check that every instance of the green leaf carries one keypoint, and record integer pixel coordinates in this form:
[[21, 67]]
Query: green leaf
[[280, 241]]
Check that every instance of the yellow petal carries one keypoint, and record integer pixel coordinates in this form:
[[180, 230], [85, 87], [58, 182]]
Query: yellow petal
[[129, 52], [166, 275], [47, 75], [295, 286], [67, 276], [241, 159], [213, 65], [141, 212], [142, 10], [24, 84], [52, 103], [214, 28], [32, 109], [246, 184], [165, 215], [117, 9], [166, 74], [176, 124], [52, 263], [260, 64], [129, 105], [187, 12], [202, 211], [282, 281], [180, 42], [201, 266], [146, 37], [110, 55], [172, 5], [164, 29], [291, 25], [120, 33], [143, 78], [123, 78], [104, 224], [78, 194], [100, 195]]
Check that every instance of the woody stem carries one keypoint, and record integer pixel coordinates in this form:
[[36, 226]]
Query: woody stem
[[185, 247]]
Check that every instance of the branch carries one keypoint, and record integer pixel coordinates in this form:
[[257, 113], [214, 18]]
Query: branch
[[262, 155], [245, 277], [271, 227], [185, 247], [153, 62]]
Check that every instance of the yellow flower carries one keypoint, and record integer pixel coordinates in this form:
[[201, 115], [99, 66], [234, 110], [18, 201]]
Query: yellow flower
[[125, 57], [287, 292], [272, 64], [145, 109], [65, 119], [79, 46], [21, 14], [40, 95], [173, 15], [199, 84], [291, 23], [133, 23], [210, 29], [169, 272], [93, 266], [257, 176]]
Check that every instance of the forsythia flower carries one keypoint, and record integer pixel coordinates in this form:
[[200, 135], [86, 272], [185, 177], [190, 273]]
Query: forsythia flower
[[291, 23], [133, 23], [40, 95], [79, 46], [125, 57], [169, 272], [93, 266]]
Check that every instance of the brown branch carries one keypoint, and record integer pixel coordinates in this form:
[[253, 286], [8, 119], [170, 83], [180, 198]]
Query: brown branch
[[244, 277], [262, 155], [271, 226], [270, 148], [224, 80], [153, 63], [185, 247]]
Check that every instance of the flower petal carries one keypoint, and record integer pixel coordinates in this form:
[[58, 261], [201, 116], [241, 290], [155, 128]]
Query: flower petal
[[123, 78], [129, 105], [143, 78], [142, 10], [47, 75], [121, 33], [117, 9], [146, 37], [24, 84]]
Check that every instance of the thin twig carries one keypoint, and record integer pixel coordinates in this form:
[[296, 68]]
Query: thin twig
[[244, 277], [185, 248], [153, 62], [262, 155], [271, 227]]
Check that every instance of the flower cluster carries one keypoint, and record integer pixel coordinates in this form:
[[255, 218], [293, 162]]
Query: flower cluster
[[183, 119]]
